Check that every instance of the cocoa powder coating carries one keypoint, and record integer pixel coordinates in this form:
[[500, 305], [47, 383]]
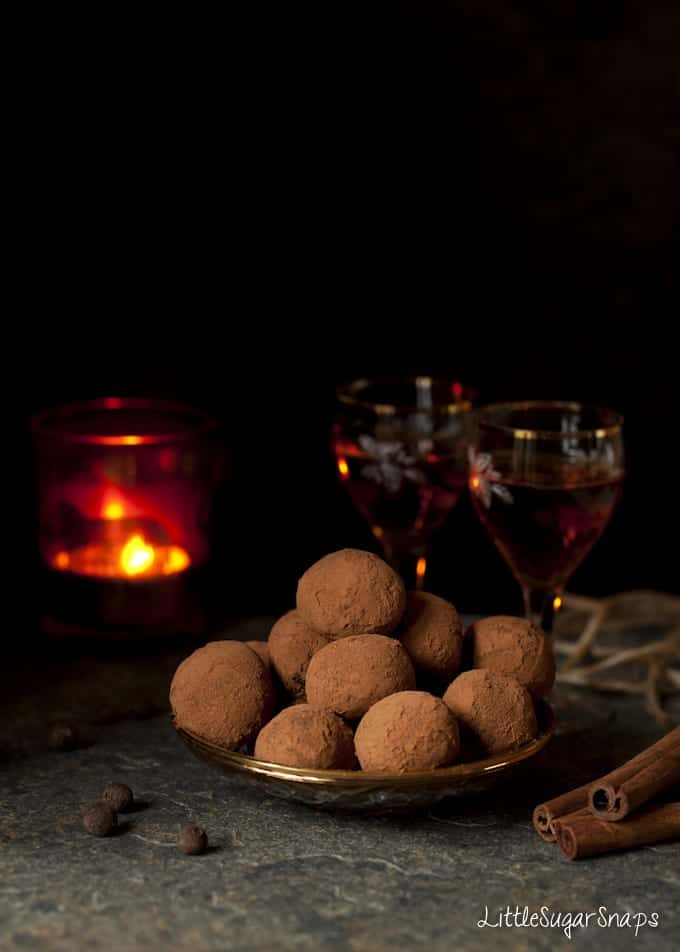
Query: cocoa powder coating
[[407, 732], [495, 712], [515, 647], [432, 635], [224, 693], [292, 645], [351, 592], [348, 676], [307, 736], [261, 649]]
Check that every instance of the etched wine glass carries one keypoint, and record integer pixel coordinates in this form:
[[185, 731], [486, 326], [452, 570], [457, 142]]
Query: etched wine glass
[[545, 478], [401, 449]]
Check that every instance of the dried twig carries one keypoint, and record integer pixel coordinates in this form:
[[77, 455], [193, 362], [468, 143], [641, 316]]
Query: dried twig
[[586, 660], [652, 700], [610, 684], [571, 647], [588, 636]]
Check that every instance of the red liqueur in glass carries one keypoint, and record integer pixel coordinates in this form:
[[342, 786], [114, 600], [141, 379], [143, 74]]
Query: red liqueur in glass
[[404, 504], [548, 528], [545, 479]]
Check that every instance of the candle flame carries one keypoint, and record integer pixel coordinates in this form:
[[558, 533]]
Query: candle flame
[[121, 439], [177, 560], [113, 510], [343, 467], [136, 556], [421, 568], [557, 603]]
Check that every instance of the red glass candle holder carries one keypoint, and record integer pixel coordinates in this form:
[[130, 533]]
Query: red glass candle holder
[[125, 489]]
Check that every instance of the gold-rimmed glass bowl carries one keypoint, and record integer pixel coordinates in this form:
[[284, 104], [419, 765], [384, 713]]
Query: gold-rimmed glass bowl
[[400, 446], [357, 791], [545, 479]]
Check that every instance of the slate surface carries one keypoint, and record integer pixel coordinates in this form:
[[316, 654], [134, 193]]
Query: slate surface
[[282, 876]]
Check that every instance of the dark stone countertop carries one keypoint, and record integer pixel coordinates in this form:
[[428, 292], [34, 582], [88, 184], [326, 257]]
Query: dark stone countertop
[[282, 876]]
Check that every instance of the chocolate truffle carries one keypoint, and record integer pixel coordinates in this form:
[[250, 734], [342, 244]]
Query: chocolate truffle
[[291, 646], [307, 736], [261, 649], [224, 693], [351, 592], [405, 732], [495, 712], [515, 647], [350, 675], [432, 635]]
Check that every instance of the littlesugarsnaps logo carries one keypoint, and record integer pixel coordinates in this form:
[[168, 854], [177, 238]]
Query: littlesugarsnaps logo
[[521, 917]]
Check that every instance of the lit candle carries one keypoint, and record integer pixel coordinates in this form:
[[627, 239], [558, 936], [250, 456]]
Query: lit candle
[[124, 493]]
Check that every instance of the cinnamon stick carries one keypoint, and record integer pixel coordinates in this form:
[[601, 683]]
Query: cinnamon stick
[[613, 799], [558, 822], [546, 813], [583, 836]]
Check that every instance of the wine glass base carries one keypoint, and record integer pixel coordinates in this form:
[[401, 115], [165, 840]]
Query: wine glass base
[[541, 606], [411, 565]]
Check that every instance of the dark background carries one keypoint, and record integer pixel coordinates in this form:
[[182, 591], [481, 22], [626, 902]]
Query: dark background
[[243, 213]]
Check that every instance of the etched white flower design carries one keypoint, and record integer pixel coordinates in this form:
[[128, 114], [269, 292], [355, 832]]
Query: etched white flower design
[[601, 453], [483, 479], [390, 463]]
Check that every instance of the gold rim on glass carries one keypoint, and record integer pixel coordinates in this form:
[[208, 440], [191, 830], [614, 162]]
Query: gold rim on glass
[[358, 779], [527, 433], [53, 422], [349, 393]]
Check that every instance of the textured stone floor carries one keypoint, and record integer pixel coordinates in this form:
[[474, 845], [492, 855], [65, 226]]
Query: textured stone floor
[[282, 876]]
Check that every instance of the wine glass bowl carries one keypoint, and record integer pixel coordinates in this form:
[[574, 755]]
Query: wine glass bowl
[[545, 479], [400, 447]]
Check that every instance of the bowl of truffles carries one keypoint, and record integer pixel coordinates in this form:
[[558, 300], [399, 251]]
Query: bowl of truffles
[[367, 697]]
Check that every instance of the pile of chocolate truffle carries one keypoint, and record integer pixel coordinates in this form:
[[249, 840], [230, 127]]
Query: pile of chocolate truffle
[[365, 674]]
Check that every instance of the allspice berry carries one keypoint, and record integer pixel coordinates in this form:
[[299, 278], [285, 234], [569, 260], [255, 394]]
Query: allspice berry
[[100, 819], [63, 737], [118, 796], [193, 840]]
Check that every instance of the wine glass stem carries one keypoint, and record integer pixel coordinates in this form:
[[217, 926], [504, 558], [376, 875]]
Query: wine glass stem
[[410, 565], [539, 607]]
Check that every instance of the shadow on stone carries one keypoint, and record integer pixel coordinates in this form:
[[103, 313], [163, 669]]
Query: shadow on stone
[[138, 806]]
